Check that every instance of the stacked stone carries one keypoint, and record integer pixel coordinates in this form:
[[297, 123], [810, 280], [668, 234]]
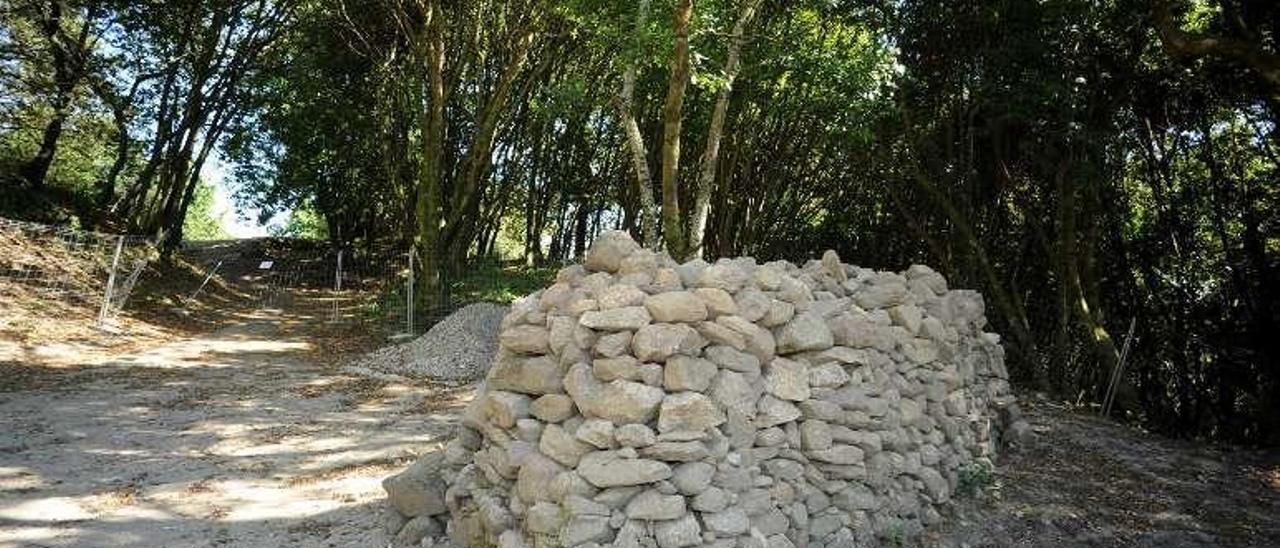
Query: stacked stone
[[642, 403]]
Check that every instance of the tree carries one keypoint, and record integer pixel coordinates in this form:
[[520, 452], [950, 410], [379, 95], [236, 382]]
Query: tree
[[635, 141], [70, 50], [672, 115], [683, 231], [711, 155], [1086, 165], [207, 52], [1244, 25]]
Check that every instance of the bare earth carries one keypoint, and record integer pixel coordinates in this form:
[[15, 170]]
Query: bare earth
[[240, 438], [233, 438], [1090, 482]]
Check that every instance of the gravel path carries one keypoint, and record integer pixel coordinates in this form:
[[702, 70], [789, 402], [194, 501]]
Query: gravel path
[[231, 439]]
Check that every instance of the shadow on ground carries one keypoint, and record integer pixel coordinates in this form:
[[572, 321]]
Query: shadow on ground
[[1089, 482], [234, 438]]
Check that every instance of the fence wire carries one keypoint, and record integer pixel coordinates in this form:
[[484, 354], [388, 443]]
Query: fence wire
[[375, 286], [56, 268], [70, 267]]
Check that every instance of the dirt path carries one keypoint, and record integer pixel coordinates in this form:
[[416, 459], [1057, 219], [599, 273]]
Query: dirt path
[[234, 438], [1090, 482]]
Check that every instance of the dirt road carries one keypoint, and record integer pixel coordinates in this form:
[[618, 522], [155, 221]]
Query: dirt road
[[239, 438], [233, 438]]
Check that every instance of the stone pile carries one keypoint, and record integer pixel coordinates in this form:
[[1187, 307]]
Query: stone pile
[[642, 403]]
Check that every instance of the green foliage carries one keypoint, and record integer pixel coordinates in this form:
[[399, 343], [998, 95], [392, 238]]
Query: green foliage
[[1201, 15], [496, 282], [203, 222], [896, 535], [328, 127], [109, 110], [1044, 153], [1063, 157], [378, 309], [509, 243], [304, 223], [973, 479], [83, 158]]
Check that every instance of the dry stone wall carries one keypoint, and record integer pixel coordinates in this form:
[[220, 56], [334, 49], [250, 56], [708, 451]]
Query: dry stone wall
[[642, 403]]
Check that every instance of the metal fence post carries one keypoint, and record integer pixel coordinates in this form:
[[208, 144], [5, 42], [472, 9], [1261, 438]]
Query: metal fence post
[[1118, 373], [337, 286], [207, 277], [409, 297], [111, 282], [122, 293]]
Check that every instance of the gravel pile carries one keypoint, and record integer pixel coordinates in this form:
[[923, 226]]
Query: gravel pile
[[458, 348]]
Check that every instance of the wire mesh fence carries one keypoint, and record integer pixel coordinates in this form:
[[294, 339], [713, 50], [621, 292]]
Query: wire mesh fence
[[375, 286], [69, 269], [52, 270]]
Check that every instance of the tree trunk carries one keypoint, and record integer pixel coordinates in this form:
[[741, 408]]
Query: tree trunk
[[134, 198], [479, 154], [581, 214], [37, 169], [430, 171], [1086, 310], [191, 177], [177, 166], [672, 221], [635, 142], [531, 238], [121, 116], [68, 69], [711, 155], [107, 188]]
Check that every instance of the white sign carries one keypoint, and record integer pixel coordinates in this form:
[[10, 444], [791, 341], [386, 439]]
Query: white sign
[[265, 265]]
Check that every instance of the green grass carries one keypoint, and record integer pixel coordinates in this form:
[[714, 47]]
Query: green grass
[[491, 282], [499, 283], [379, 309]]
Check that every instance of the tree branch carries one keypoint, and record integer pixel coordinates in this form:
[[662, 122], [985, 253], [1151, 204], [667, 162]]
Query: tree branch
[[1180, 43]]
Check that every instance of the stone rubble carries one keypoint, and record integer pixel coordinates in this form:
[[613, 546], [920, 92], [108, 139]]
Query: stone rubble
[[641, 403]]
